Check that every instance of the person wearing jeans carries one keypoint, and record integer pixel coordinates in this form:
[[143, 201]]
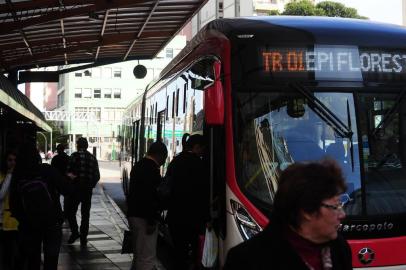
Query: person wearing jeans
[[84, 171]]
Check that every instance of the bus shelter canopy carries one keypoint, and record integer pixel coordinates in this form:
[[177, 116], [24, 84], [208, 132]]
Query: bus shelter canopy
[[12, 100], [45, 33]]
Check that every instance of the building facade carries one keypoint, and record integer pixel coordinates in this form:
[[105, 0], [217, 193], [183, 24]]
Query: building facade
[[215, 9], [102, 93], [263, 7], [404, 12], [42, 95]]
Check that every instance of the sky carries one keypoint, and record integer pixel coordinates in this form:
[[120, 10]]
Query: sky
[[389, 11]]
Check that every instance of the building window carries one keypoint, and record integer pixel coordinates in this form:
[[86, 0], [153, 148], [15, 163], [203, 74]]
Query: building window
[[97, 93], [96, 72], [78, 92], [117, 72], [117, 92], [80, 109], [112, 114], [87, 92], [169, 53], [107, 72], [78, 74], [61, 99], [96, 112], [118, 115], [107, 92]]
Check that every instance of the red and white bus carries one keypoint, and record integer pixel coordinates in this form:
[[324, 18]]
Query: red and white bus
[[269, 91]]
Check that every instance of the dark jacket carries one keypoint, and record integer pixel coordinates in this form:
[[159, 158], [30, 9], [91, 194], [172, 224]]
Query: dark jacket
[[84, 165], [57, 185], [270, 250], [60, 162], [142, 200], [189, 199]]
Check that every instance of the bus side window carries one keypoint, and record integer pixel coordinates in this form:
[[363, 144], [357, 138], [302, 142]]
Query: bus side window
[[167, 108], [184, 97], [173, 104], [135, 137], [156, 112], [160, 125], [177, 102]]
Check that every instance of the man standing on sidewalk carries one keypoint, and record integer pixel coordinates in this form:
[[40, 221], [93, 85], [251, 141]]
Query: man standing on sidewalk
[[84, 169], [60, 162], [143, 206]]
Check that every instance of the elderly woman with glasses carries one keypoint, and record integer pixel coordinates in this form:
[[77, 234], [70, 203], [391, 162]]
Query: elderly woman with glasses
[[302, 233]]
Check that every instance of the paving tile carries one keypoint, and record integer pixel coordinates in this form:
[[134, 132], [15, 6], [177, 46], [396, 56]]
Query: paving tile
[[103, 250]]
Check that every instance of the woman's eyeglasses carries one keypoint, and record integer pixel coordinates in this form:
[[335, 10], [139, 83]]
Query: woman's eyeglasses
[[344, 199], [337, 207]]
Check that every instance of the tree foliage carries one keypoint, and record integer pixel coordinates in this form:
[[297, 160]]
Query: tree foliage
[[302, 8], [325, 8], [334, 9], [274, 12]]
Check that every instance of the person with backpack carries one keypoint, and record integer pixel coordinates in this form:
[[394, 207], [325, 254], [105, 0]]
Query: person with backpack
[[188, 203], [8, 224], [83, 167], [34, 202]]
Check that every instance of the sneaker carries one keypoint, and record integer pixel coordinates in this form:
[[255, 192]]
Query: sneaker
[[73, 237]]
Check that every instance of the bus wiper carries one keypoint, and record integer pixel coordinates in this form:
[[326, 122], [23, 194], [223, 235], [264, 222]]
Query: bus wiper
[[341, 129], [349, 125], [388, 115]]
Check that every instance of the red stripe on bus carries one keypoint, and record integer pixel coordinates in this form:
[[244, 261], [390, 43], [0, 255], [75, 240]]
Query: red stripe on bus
[[230, 164]]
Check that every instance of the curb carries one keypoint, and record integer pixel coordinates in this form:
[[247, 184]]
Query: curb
[[113, 203]]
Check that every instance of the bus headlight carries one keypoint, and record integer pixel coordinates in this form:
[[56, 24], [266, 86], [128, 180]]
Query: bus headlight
[[245, 223]]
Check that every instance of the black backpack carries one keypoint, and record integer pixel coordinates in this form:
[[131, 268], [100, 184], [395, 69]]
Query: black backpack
[[37, 202]]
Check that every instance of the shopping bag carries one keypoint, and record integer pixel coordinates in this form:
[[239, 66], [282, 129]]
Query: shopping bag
[[127, 246], [210, 248]]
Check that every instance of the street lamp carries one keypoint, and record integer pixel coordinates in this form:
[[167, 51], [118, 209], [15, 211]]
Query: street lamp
[[46, 142]]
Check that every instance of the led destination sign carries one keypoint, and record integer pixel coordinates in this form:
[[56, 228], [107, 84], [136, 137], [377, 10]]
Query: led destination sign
[[345, 62]]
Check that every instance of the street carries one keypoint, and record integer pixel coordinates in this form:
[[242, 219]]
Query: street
[[111, 183]]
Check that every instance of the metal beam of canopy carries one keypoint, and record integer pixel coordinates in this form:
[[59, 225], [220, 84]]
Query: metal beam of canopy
[[45, 33]]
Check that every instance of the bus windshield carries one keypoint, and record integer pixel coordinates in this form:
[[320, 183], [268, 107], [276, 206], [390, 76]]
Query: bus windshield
[[274, 129]]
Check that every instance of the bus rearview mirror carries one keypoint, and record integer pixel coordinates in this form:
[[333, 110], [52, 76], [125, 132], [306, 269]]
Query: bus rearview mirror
[[295, 108]]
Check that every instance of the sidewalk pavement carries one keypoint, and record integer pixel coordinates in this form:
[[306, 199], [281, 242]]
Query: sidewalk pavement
[[103, 251]]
